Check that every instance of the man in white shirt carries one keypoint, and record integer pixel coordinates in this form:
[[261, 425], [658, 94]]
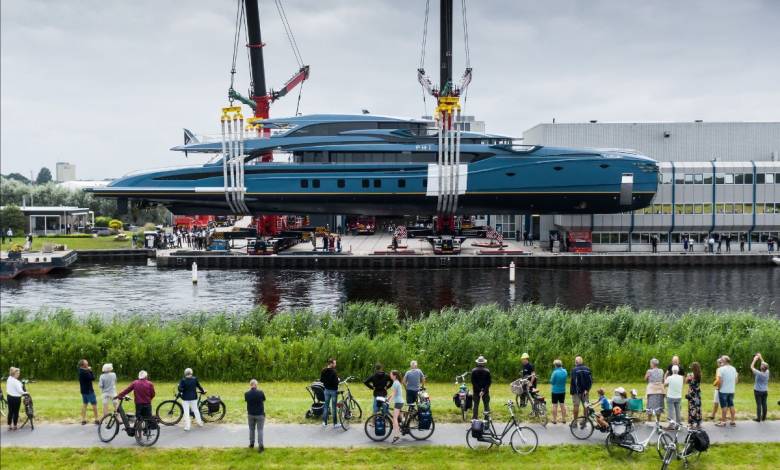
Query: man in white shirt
[[674, 384], [728, 385]]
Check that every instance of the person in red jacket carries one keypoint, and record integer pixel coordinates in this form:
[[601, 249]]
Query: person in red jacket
[[143, 393]]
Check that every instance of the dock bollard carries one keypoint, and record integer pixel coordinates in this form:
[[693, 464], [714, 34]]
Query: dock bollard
[[194, 272], [512, 272]]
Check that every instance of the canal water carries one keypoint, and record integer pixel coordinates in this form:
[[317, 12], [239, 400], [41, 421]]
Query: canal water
[[144, 290]]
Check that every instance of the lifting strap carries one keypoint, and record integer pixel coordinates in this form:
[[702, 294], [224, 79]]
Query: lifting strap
[[233, 159]]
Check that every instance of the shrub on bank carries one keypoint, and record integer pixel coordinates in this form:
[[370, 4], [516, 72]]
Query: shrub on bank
[[617, 344]]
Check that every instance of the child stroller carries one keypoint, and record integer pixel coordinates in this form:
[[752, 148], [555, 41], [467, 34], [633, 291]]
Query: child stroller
[[317, 392]]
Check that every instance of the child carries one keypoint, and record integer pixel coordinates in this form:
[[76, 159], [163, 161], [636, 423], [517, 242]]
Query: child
[[620, 398], [606, 410]]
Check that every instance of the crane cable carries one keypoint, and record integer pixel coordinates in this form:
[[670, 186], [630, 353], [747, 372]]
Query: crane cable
[[288, 31], [422, 53], [236, 36]]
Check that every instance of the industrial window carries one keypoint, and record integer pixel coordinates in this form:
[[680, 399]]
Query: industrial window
[[340, 183], [728, 178], [760, 208], [708, 179], [739, 178], [377, 183], [315, 183], [304, 183], [689, 208], [777, 178], [679, 179], [667, 208], [720, 208], [365, 183], [720, 178], [747, 208], [748, 178], [679, 208], [708, 208], [737, 208], [729, 208], [698, 178], [666, 178], [760, 178], [401, 183], [698, 208], [688, 178], [770, 178]]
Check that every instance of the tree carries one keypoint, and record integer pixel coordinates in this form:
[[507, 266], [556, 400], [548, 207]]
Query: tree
[[18, 177], [44, 176], [12, 216]]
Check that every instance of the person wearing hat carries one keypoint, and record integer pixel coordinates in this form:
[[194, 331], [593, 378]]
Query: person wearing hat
[[480, 383], [620, 398], [528, 372], [107, 384]]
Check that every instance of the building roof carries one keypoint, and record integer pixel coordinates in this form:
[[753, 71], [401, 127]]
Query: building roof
[[51, 209]]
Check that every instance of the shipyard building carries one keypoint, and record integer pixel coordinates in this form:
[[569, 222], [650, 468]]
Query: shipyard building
[[719, 179]]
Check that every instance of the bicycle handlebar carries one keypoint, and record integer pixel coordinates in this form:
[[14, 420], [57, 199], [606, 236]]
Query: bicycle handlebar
[[348, 379]]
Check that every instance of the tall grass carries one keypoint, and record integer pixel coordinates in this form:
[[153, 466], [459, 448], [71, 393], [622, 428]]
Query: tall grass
[[617, 344]]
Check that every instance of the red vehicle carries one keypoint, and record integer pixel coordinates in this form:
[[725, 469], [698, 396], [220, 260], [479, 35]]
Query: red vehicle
[[579, 241], [362, 225], [189, 222]]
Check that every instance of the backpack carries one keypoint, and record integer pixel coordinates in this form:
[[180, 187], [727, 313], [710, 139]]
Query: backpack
[[424, 420], [700, 440], [477, 428], [379, 425]]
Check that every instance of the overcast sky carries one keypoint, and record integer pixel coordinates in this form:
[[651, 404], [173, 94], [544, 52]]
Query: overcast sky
[[109, 84]]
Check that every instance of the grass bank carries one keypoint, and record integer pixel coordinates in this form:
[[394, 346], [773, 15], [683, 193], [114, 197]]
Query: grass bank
[[73, 242], [616, 344], [724, 456], [288, 401]]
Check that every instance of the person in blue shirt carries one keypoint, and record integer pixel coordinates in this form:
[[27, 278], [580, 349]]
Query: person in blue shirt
[[189, 387], [558, 392], [606, 409]]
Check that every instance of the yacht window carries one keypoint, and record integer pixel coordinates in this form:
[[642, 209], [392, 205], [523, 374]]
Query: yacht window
[[377, 183], [315, 183], [340, 183], [402, 183], [365, 183], [332, 128], [425, 182], [304, 183]]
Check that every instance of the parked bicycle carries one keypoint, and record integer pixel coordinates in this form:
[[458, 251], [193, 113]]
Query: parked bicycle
[[582, 427], [462, 398], [525, 394], [483, 434], [3, 402], [146, 431], [694, 442], [622, 440], [347, 407], [27, 402], [170, 412], [414, 421]]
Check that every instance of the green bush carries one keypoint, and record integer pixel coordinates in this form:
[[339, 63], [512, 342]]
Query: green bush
[[102, 221], [115, 224], [617, 344]]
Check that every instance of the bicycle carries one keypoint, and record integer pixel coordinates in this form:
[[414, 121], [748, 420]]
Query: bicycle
[[524, 394], [463, 399], [582, 427], [347, 407], [146, 431], [3, 403], [27, 402], [170, 412], [622, 440], [671, 445], [523, 439], [409, 422]]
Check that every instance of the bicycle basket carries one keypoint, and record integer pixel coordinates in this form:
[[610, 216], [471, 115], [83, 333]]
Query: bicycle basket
[[213, 403], [517, 387], [620, 426]]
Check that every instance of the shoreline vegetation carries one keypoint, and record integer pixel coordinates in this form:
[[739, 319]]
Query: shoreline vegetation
[[616, 344]]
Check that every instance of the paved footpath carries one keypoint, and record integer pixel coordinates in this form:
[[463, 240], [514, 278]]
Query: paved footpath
[[304, 435]]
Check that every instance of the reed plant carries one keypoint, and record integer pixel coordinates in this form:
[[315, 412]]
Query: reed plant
[[616, 343]]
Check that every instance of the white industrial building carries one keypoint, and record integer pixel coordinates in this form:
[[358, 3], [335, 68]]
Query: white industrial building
[[65, 171], [720, 179]]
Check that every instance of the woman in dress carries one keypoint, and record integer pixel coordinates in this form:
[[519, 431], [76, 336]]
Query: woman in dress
[[655, 389], [694, 396]]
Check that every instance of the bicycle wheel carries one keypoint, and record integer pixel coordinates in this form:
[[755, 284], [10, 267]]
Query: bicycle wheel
[[169, 412], [417, 433], [664, 439], [3, 407], [463, 411], [475, 443], [211, 417], [617, 446], [524, 440], [357, 411], [689, 452], [370, 427], [540, 412], [108, 428], [581, 428], [147, 431], [669, 455], [345, 415]]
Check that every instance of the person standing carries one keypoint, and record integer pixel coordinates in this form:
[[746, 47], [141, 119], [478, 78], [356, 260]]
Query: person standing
[[528, 372], [480, 384], [711, 243], [675, 362], [741, 243], [188, 388], [378, 384], [694, 396], [414, 379], [728, 243], [558, 390], [579, 386], [716, 384], [255, 414], [143, 394], [397, 398], [330, 380], [674, 384], [14, 391], [728, 384], [654, 243], [86, 377], [107, 385], [655, 389], [760, 386]]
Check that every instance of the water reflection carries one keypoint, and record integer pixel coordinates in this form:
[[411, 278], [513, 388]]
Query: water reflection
[[140, 289]]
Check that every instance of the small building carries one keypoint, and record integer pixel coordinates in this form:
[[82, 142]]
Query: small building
[[65, 172], [56, 220]]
